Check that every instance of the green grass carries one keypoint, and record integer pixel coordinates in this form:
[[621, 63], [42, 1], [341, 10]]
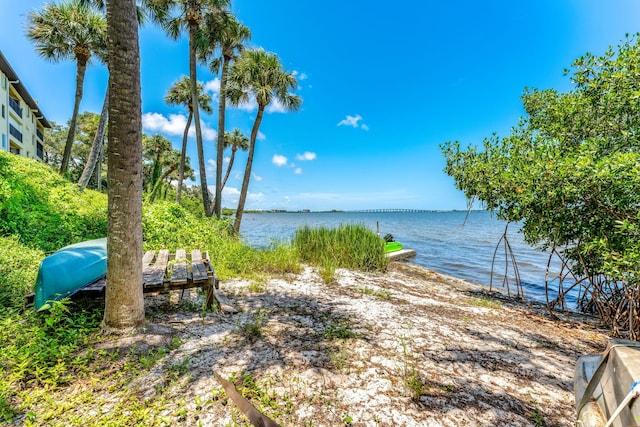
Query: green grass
[[347, 246], [485, 302]]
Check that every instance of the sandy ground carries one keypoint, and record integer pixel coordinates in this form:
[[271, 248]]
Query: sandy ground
[[407, 348]]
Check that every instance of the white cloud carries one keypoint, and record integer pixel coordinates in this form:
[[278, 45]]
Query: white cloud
[[298, 171], [230, 191], [256, 177], [156, 122], [208, 134], [249, 106], [353, 121], [275, 106], [174, 125], [307, 155], [261, 136], [211, 168], [279, 160], [213, 86], [299, 76], [255, 197]]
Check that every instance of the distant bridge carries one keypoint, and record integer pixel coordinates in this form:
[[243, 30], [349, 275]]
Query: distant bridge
[[392, 210]]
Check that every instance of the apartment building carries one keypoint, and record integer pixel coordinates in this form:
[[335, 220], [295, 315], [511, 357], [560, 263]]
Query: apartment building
[[22, 123]]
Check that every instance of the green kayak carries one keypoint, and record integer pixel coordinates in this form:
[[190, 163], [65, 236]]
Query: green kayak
[[392, 247], [69, 269]]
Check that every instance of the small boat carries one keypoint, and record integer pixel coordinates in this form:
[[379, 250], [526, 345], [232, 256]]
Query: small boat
[[392, 247], [69, 269], [607, 386], [394, 251]]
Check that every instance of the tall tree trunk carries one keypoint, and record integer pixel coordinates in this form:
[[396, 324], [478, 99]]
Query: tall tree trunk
[[196, 118], [96, 147], [158, 184], [98, 175], [183, 157], [217, 205], [124, 303], [80, 72], [247, 171], [155, 172], [231, 160]]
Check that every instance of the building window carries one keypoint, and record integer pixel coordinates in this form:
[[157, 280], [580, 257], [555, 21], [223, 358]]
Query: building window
[[4, 141], [3, 111], [4, 81]]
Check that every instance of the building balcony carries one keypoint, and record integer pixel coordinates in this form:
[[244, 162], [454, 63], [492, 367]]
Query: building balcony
[[15, 106], [15, 133]]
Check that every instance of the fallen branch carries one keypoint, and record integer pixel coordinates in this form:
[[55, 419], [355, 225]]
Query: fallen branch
[[256, 417]]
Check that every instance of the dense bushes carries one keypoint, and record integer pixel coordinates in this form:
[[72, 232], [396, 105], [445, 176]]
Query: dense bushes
[[18, 271], [44, 210]]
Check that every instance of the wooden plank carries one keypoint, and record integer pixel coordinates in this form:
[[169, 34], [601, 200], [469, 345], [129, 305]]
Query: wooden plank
[[179, 269], [147, 258], [198, 267], [210, 271], [153, 274], [97, 286]]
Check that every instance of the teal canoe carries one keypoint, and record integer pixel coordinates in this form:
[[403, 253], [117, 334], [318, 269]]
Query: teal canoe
[[69, 269]]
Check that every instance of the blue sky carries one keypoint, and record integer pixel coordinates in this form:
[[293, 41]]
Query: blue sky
[[383, 85]]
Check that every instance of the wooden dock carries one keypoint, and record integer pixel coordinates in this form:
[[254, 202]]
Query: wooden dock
[[401, 255]]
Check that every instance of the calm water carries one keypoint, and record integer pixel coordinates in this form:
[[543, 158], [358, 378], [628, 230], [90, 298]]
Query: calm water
[[453, 243]]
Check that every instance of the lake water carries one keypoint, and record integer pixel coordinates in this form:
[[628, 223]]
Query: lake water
[[453, 243]]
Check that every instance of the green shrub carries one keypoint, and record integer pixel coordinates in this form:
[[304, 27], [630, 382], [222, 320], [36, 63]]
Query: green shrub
[[348, 246], [43, 209], [18, 271], [169, 225]]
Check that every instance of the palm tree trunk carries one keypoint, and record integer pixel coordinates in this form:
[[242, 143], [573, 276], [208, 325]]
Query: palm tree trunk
[[226, 175], [196, 117], [158, 184], [217, 206], [247, 171], [183, 157], [124, 303], [98, 175], [80, 72], [96, 147]]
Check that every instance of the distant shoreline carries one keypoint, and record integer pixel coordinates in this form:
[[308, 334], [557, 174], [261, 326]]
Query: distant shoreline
[[266, 211]]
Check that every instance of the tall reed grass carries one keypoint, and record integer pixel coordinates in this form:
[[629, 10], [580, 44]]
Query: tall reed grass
[[351, 246]]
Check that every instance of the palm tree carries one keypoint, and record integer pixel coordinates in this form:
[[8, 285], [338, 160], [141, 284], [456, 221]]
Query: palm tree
[[170, 162], [68, 31], [180, 94], [144, 9], [236, 140], [124, 302], [223, 31], [154, 149], [260, 74], [188, 15]]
